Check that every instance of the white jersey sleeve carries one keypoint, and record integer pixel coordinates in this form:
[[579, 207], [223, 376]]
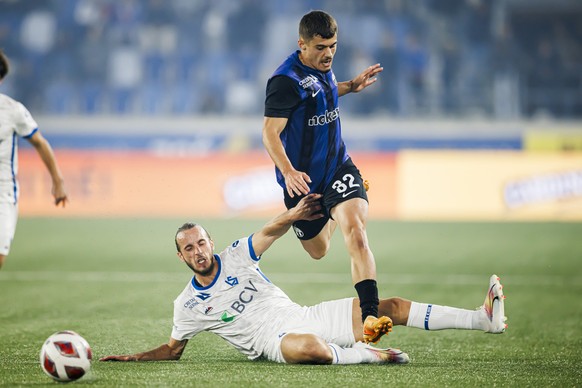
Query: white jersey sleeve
[[24, 124], [15, 118], [15, 121]]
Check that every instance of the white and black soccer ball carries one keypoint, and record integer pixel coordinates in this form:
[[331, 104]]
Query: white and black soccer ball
[[65, 356]]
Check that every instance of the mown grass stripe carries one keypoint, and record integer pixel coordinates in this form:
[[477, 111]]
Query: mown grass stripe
[[292, 278]]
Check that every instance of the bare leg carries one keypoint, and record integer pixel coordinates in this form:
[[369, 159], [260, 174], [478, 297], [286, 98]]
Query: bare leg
[[305, 349], [395, 308], [351, 217], [318, 246], [490, 317], [311, 349], [2, 257]]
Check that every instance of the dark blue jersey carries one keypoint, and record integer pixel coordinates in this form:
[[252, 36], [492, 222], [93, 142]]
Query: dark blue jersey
[[312, 137]]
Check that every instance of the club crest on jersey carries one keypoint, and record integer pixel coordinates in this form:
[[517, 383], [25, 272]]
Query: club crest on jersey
[[231, 281]]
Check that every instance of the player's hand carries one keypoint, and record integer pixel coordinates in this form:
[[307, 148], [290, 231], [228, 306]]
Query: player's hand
[[366, 78], [61, 201], [118, 358], [297, 182], [309, 208], [59, 194]]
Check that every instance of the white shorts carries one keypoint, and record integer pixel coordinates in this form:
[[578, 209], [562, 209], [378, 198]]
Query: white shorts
[[8, 218], [331, 321]]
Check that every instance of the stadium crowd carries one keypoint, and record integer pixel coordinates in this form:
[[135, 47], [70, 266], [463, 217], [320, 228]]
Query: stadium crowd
[[498, 59]]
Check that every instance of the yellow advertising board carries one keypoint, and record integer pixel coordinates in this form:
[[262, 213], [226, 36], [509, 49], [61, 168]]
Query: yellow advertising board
[[553, 140], [489, 185]]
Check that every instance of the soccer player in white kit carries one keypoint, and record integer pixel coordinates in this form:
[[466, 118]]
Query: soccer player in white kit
[[16, 121], [231, 297]]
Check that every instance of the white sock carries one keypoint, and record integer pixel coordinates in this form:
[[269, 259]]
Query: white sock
[[436, 317], [354, 355]]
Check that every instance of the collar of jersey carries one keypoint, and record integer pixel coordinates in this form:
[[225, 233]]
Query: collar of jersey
[[217, 258]]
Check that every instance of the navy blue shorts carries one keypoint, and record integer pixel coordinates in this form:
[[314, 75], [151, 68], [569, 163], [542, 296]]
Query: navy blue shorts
[[347, 183]]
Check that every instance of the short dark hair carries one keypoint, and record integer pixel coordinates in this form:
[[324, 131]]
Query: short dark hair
[[4, 67], [317, 23], [188, 226]]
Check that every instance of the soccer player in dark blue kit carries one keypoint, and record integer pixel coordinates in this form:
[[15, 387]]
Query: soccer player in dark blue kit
[[302, 134]]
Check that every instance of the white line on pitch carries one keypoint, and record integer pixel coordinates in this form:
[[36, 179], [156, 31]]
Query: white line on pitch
[[290, 278]]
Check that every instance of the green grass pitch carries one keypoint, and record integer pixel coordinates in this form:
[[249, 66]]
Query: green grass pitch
[[113, 281]]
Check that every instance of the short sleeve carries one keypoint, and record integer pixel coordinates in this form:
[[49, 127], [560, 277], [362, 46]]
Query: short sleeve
[[24, 124], [241, 251], [184, 326], [282, 97]]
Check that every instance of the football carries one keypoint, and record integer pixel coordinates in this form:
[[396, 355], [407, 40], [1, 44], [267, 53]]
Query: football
[[65, 356]]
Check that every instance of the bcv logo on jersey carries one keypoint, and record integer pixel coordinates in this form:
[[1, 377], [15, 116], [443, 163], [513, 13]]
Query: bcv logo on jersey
[[245, 297]]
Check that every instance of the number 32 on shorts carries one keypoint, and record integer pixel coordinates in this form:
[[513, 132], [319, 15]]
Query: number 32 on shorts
[[346, 183]]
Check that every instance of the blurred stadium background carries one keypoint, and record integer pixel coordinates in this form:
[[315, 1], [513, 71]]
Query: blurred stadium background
[[155, 107]]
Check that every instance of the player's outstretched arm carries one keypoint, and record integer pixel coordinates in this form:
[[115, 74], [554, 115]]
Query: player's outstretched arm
[[307, 209], [45, 151], [171, 351], [297, 182], [361, 82]]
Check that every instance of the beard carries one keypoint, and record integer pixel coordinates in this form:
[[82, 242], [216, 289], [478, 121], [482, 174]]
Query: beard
[[205, 272]]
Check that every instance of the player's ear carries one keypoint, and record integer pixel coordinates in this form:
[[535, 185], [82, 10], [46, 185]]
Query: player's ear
[[301, 44], [179, 254]]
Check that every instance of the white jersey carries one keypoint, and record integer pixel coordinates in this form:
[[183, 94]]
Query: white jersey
[[241, 305], [15, 120]]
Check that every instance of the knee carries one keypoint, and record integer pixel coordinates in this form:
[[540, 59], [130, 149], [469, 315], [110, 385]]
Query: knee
[[395, 308], [308, 349], [315, 351], [318, 252], [318, 255]]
